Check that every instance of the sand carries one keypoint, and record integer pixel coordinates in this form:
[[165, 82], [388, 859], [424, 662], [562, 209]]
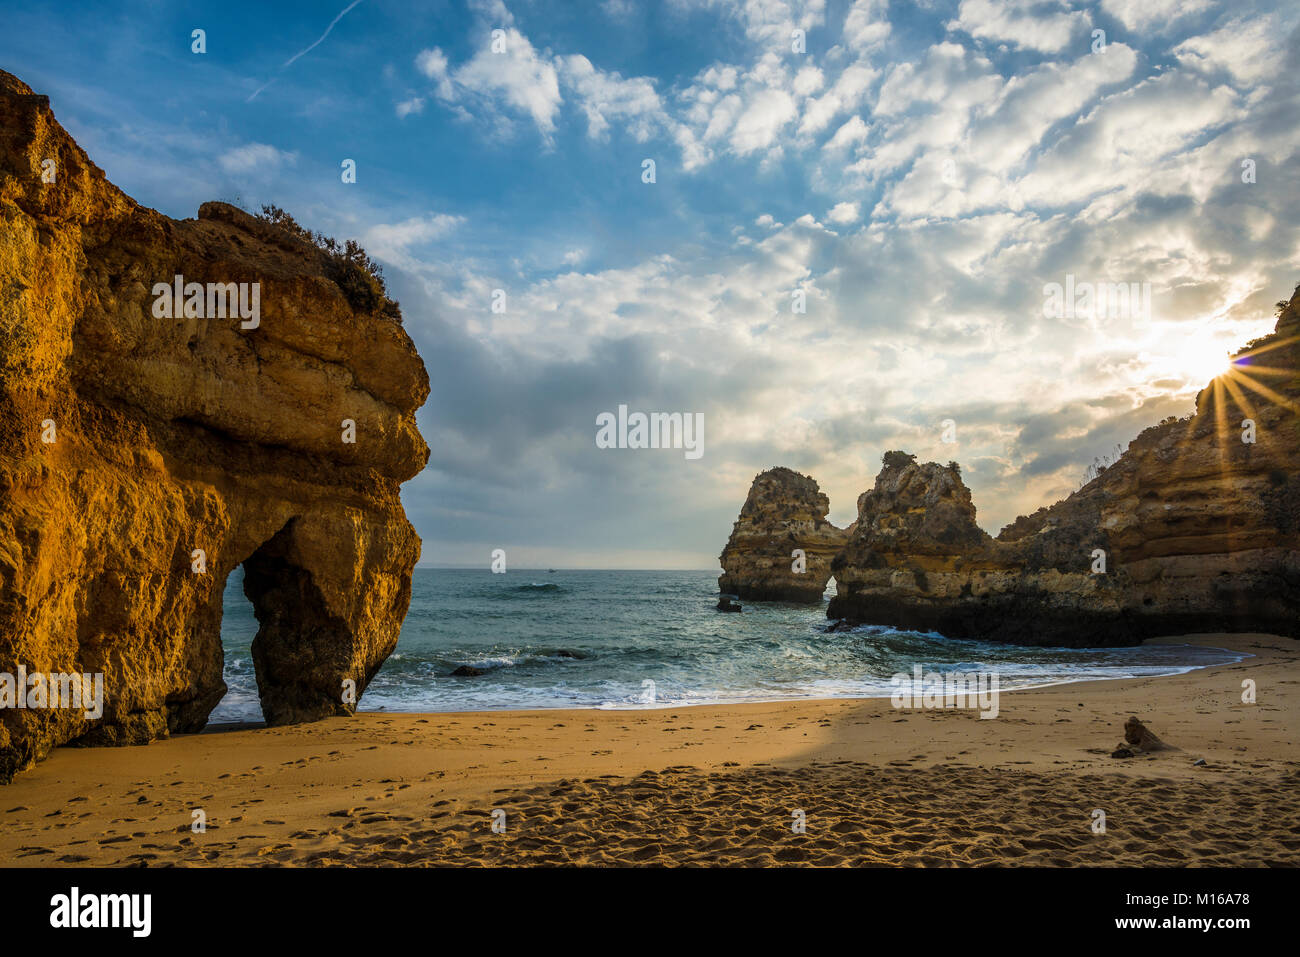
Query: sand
[[708, 785]]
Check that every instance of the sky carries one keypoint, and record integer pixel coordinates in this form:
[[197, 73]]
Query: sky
[[918, 174]]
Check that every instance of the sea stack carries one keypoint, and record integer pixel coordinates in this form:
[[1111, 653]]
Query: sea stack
[[784, 514], [144, 457], [1196, 528], [918, 560]]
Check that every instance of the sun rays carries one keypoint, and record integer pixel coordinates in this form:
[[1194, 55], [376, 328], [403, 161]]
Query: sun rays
[[1241, 388]]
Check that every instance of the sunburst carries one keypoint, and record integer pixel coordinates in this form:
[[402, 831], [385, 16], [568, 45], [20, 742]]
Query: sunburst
[[1242, 385]]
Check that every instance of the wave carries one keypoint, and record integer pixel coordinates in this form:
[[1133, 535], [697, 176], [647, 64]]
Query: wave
[[552, 656], [534, 642]]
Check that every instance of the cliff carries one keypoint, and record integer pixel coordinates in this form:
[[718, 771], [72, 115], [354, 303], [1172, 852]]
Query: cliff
[[1193, 529], [919, 561], [146, 452], [784, 511]]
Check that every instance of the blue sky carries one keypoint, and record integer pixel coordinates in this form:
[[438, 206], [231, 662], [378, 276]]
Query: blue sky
[[920, 172]]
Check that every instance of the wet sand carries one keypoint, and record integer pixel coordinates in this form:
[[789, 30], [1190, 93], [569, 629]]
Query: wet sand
[[707, 785]]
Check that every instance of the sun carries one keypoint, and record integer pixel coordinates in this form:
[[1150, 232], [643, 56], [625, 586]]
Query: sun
[[1195, 359], [1209, 351], [1203, 363]]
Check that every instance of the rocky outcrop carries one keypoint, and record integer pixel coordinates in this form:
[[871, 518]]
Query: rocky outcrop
[[143, 458], [1191, 530], [1138, 739], [784, 511], [918, 560], [1195, 528]]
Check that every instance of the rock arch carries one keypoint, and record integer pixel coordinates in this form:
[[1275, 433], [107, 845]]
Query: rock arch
[[320, 623], [180, 434]]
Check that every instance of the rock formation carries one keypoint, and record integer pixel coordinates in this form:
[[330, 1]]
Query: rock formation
[[1191, 530], [785, 511], [918, 560], [1198, 531], [142, 458], [1138, 739]]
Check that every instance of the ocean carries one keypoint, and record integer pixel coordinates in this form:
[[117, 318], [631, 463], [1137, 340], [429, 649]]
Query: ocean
[[639, 639]]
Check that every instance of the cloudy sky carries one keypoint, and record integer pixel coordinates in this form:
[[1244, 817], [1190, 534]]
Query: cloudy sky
[[918, 171]]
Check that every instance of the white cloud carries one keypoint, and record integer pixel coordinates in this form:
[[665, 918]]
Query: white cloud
[[763, 118], [433, 64], [1144, 14], [927, 107], [843, 213], [769, 22], [808, 80], [1031, 103], [853, 131], [392, 242], [524, 80], [254, 157], [741, 110], [604, 96], [414, 105], [849, 89], [1029, 24], [1050, 137], [1250, 51], [518, 76], [866, 26], [527, 81], [1131, 141]]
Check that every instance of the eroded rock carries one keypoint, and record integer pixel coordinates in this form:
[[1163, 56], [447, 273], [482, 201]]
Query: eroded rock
[[784, 511], [1138, 739], [1191, 530], [176, 435]]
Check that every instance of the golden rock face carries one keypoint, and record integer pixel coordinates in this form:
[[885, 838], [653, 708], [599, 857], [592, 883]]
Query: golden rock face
[[129, 442], [1196, 528], [784, 511]]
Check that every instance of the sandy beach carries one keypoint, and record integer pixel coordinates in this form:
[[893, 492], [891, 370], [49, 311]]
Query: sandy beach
[[708, 784]]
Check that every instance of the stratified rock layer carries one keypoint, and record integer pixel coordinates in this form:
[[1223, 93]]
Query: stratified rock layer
[[1198, 529], [172, 435], [784, 511]]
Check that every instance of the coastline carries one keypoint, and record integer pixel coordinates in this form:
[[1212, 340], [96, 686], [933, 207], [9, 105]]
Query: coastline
[[708, 783]]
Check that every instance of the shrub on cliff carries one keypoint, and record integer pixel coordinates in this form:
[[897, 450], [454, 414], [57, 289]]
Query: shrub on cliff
[[1280, 306], [897, 460], [351, 269]]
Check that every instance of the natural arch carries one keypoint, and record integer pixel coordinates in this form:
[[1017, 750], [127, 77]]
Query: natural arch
[[307, 645]]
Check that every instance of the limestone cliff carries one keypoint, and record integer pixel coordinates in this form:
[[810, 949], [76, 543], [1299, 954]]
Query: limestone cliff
[[1195, 528], [1191, 530], [142, 458], [784, 511]]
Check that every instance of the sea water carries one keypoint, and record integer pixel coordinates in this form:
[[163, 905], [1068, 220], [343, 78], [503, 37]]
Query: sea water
[[638, 639]]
